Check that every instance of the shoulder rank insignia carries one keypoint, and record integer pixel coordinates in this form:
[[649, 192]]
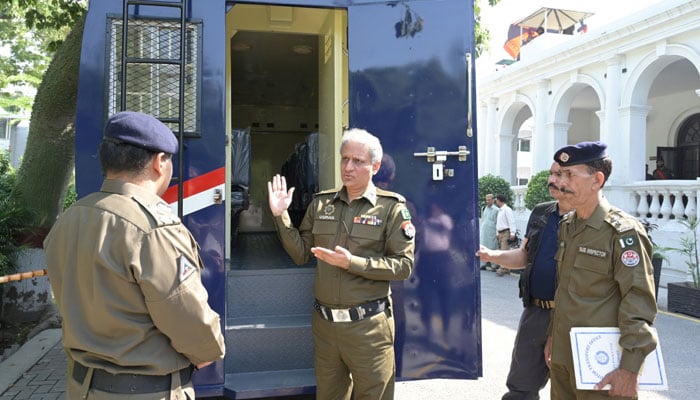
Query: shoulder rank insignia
[[618, 221], [185, 268], [405, 214], [408, 229], [160, 211]]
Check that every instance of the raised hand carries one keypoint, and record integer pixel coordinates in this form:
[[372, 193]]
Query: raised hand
[[279, 197]]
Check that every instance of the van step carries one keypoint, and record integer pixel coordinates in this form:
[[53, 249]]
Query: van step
[[253, 385], [268, 343], [269, 292]]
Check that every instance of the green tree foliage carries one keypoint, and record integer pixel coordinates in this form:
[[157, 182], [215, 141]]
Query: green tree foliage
[[30, 33], [12, 215], [537, 190], [494, 185], [481, 34]]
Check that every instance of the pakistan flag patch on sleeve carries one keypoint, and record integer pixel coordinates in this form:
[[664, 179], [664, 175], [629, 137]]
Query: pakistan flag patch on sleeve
[[630, 241]]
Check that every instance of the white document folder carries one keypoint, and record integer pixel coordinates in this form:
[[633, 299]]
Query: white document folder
[[597, 351]]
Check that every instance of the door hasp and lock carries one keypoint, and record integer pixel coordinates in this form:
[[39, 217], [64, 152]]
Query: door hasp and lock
[[438, 158]]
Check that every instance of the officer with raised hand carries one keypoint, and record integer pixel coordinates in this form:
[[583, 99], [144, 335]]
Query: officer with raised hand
[[126, 276], [604, 277], [363, 238]]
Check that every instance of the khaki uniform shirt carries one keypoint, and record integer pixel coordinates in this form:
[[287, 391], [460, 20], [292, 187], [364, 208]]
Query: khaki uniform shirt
[[126, 277], [376, 229], [604, 279]]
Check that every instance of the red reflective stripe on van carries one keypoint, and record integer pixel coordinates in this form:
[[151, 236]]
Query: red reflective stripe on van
[[196, 185]]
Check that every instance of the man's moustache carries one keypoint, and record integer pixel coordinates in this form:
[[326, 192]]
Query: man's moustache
[[553, 186], [565, 190]]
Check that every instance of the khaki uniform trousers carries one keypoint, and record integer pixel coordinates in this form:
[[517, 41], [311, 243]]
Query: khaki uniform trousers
[[503, 237], [81, 390], [563, 384], [354, 356]]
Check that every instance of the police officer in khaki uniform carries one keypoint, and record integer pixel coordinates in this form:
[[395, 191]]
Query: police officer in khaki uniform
[[529, 372], [125, 273], [363, 238], [604, 277]]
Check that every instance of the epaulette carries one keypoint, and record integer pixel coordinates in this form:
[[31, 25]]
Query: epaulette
[[328, 191], [619, 221], [160, 212], [386, 193]]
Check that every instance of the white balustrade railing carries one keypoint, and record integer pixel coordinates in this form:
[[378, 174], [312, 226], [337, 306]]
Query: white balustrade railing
[[663, 200]]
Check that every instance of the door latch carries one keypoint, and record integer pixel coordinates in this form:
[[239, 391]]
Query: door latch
[[438, 158]]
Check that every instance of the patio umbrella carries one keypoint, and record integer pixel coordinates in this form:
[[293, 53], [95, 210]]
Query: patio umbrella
[[553, 19], [518, 36]]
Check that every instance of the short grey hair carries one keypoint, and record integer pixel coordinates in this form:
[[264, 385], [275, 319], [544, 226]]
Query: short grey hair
[[362, 136]]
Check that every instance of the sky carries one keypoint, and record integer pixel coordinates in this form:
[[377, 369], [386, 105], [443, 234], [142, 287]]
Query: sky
[[497, 19]]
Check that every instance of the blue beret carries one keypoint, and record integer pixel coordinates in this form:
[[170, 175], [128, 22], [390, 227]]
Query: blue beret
[[140, 130], [580, 153]]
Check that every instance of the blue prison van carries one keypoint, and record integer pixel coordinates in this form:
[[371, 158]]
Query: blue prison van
[[253, 88]]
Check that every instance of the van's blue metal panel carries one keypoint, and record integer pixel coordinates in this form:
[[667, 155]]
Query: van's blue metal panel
[[201, 155], [411, 92]]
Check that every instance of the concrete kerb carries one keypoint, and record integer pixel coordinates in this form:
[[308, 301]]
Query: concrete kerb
[[29, 354]]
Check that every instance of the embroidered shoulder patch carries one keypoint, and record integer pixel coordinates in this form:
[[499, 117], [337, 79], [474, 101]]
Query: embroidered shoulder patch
[[408, 229], [405, 214], [185, 268], [628, 241], [630, 258]]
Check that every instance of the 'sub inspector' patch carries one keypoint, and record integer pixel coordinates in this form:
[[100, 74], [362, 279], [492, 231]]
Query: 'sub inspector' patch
[[185, 268]]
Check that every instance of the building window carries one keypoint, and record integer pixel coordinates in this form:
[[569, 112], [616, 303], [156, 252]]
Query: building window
[[524, 145], [689, 133], [152, 87]]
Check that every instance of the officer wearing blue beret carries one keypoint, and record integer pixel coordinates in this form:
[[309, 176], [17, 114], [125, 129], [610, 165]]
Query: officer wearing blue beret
[[604, 277], [126, 276]]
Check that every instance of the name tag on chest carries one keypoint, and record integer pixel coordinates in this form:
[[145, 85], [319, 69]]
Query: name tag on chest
[[592, 252]]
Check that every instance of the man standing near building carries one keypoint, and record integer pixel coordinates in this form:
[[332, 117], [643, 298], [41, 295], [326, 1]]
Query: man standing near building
[[662, 172], [528, 370], [126, 276], [505, 226], [363, 238], [604, 277], [487, 234]]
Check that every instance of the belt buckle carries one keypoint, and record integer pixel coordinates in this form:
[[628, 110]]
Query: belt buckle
[[340, 315]]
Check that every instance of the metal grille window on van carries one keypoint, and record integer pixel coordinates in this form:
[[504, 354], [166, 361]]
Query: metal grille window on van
[[153, 87]]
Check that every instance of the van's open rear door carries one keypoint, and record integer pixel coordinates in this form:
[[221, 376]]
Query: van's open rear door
[[409, 82]]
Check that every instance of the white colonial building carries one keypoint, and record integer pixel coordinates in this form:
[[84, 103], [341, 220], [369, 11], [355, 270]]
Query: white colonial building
[[634, 84]]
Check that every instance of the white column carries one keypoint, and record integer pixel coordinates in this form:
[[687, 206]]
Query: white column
[[542, 141], [619, 145], [507, 156], [625, 150], [492, 139], [560, 137]]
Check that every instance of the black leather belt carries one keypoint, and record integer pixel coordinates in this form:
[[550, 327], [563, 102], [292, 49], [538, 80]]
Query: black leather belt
[[128, 383], [356, 313], [503, 230], [543, 304]]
